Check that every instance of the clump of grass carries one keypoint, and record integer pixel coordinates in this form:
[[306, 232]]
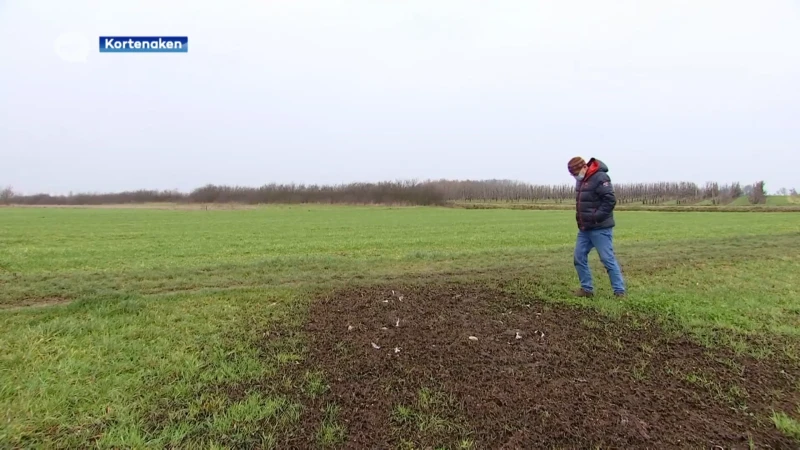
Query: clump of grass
[[431, 419], [639, 371], [787, 425], [403, 414], [331, 432], [734, 395], [591, 324], [315, 384], [466, 444]]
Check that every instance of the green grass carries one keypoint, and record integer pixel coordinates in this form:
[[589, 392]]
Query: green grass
[[331, 432], [787, 425], [96, 369], [152, 310], [782, 200], [431, 416], [772, 200], [741, 201]]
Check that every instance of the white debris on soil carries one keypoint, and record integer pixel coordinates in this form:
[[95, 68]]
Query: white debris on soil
[[518, 336], [400, 298], [386, 301], [384, 328], [473, 338], [350, 328], [397, 323], [397, 349], [375, 346]]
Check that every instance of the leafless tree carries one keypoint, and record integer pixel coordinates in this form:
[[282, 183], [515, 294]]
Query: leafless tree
[[758, 194], [6, 195]]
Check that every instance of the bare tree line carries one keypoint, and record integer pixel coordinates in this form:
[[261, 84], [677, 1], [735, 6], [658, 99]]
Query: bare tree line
[[401, 192], [431, 192]]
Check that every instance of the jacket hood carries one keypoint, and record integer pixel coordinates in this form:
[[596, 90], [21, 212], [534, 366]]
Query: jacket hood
[[595, 165], [601, 166]]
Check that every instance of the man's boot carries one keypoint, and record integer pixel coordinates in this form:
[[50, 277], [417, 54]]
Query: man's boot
[[583, 293]]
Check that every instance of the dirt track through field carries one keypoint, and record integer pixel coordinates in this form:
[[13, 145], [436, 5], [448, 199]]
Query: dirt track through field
[[532, 376]]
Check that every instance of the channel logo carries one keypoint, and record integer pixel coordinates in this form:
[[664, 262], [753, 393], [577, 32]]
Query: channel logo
[[144, 44]]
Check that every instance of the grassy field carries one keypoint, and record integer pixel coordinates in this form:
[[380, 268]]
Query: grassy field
[[119, 326]]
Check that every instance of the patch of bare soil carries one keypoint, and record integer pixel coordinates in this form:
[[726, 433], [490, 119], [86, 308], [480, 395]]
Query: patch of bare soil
[[530, 376], [35, 303]]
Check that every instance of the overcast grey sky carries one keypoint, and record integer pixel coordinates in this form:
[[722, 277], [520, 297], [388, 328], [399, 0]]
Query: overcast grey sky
[[370, 90]]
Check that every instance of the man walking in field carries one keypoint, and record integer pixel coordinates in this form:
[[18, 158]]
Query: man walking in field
[[595, 202]]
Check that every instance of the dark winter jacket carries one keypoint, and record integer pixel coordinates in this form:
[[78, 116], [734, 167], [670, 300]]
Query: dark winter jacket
[[595, 198]]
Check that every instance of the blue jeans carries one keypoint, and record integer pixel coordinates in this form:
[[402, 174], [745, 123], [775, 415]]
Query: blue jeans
[[602, 240]]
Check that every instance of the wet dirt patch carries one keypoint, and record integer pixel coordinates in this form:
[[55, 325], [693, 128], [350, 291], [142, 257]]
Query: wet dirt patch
[[469, 367]]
